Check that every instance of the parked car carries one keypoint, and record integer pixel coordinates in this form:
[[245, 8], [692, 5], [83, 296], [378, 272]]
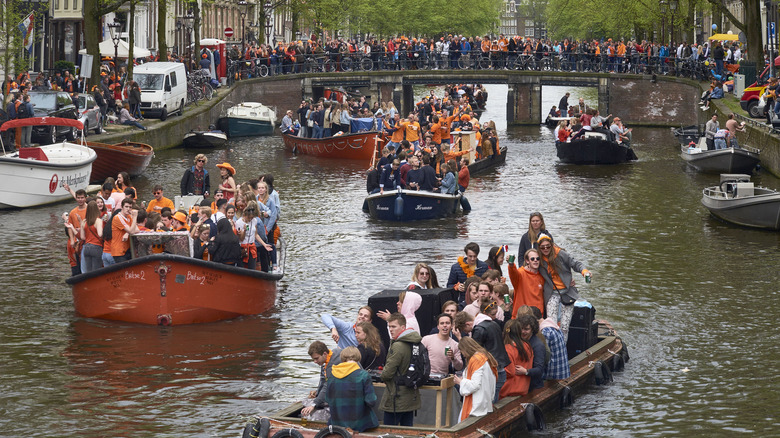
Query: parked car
[[53, 104], [89, 114]]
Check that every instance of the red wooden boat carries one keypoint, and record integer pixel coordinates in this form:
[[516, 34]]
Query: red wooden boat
[[360, 146], [511, 416], [127, 156], [173, 289]]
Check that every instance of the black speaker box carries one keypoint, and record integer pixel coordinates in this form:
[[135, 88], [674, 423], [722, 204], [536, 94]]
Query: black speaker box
[[583, 330], [432, 300]]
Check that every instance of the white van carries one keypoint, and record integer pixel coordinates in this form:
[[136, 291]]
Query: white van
[[163, 88]]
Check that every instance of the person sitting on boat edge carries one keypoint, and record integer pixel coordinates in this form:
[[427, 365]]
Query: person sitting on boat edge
[[448, 182], [399, 401], [466, 266], [478, 384], [621, 133], [287, 124], [342, 332], [390, 177], [326, 359], [350, 394]]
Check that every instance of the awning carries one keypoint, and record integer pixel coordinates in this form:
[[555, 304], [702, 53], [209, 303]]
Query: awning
[[41, 121], [123, 50], [724, 37]]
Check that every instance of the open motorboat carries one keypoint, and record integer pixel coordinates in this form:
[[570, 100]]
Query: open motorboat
[[687, 134], [173, 287], [37, 175], [411, 205], [127, 156], [248, 119], [213, 138], [552, 122], [594, 148], [742, 159], [739, 201]]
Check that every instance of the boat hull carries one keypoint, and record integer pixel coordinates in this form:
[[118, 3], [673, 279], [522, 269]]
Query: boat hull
[[482, 166], [166, 289], [416, 205], [204, 140], [245, 127], [508, 417], [127, 156], [29, 183], [759, 211], [594, 151], [719, 161], [360, 146]]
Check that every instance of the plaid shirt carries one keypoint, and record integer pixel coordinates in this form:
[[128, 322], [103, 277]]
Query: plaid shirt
[[558, 368]]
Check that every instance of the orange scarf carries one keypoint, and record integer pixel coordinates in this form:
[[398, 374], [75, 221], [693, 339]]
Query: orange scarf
[[468, 270], [475, 362]]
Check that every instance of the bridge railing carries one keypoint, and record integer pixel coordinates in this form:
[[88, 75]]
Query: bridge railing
[[474, 60]]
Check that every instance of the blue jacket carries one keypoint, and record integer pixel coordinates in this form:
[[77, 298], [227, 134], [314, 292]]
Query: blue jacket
[[389, 178], [458, 276], [449, 184]]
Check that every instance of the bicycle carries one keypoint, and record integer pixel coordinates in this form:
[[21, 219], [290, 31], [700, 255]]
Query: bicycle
[[525, 62]]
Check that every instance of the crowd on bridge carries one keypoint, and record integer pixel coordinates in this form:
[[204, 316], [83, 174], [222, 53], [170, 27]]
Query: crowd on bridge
[[486, 52]]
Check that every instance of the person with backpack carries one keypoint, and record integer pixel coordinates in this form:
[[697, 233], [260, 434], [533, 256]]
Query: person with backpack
[[399, 401], [25, 111]]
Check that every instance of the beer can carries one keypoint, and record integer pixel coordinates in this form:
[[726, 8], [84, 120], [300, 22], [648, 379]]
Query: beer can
[[447, 350], [506, 298]]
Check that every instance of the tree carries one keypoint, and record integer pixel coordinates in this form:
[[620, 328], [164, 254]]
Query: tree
[[94, 10], [11, 14], [162, 44], [751, 26]]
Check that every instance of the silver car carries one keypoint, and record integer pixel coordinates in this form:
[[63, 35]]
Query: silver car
[[89, 114]]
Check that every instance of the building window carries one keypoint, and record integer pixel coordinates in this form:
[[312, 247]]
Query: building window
[[529, 23], [66, 4], [56, 4], [529, 32]]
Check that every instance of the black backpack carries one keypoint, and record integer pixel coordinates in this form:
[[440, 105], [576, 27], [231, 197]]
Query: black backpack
[[419, 368], [22, 113]]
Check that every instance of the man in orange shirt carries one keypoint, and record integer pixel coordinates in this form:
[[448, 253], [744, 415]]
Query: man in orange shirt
[[122, 226], [446, 125], [527, 282], [395, 130], [159, 202], [412, 131], [78, 214]]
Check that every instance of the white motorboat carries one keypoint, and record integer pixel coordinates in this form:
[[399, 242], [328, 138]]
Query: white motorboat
[[248, 119], [37, 175], [739, 201], [728, 161]]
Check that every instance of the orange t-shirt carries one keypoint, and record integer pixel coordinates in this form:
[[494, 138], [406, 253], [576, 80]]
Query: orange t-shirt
[[517, 385], [398, 135], [436, 131], [76, 216], [119, 246], [91, 235], [529, 288], [445, 126], [157, 206], [412, 131]]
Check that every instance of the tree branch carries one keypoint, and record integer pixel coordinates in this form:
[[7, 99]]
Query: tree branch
[[724, 10]]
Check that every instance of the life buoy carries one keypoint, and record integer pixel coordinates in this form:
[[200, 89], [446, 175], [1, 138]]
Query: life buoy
[[602, 372], [618, 363], [534, 417], [288, 433], [567, 398], [257, 428], [333, 430]]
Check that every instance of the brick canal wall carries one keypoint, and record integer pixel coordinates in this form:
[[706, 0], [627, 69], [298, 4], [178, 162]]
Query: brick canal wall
[[640, 101]]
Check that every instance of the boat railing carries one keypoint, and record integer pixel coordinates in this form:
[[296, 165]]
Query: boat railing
[[716, 192], [751, 149]]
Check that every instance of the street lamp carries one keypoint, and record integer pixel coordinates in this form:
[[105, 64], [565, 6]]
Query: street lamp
[[114, 28], [672, 9], [268, 22], [662, 7], [187, 22], [243, 5], [179, 37]]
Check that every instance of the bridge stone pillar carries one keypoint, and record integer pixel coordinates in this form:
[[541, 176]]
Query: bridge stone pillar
[[389, 88], [524, 102], [604, 84]]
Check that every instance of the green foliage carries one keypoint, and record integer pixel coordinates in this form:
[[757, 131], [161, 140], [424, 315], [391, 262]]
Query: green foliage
[[11, 14], [63, 65]]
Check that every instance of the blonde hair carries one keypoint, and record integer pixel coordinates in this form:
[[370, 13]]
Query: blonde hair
[[350, 354], [200, 157]]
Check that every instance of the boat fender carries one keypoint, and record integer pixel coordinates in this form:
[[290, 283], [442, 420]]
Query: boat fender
[[399, 205], [465, 204], [288, 433], [333, 430], [602, 373], [624, 352], [257, 428], [618, 364], [534, 417], [164, 320], [567, 399]]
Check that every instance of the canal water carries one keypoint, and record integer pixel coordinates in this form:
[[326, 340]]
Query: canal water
[[694, 298]]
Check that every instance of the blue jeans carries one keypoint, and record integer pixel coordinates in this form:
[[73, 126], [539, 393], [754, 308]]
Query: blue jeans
[[108, 259], [720, 143], [317, 132], [134, 123], [499, 383], [719, 66]]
